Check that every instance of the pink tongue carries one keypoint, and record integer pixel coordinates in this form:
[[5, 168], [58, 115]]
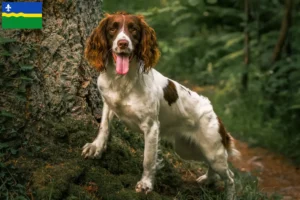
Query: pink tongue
[[122, 64]]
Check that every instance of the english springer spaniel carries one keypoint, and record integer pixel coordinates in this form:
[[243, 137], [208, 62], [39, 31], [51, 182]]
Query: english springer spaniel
[[124, 49]]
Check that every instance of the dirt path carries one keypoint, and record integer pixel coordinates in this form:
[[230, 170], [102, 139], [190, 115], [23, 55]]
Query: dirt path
[[275, 173]]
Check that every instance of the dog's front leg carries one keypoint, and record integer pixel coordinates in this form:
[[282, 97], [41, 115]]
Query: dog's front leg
[[151, 134], [98, 146]]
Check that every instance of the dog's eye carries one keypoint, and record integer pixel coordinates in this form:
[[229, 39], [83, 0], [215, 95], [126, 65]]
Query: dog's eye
[[132, 30], [112, 30]]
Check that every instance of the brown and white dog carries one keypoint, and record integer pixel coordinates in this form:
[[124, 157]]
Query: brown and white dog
[[124, 49]]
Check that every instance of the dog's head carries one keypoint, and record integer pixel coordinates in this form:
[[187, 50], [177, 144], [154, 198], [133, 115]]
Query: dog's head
[[122, 36]]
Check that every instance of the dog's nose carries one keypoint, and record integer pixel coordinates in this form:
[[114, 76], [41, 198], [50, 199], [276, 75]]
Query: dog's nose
[[122, 44]]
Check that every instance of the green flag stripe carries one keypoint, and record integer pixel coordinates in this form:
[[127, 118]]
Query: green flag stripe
[[21, 22]]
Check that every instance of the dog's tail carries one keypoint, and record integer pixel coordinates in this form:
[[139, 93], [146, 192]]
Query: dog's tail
[[228, 141]]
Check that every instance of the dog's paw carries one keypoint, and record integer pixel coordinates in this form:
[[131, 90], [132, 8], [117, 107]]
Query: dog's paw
[[144, 186], [91, 150], [205, 180]]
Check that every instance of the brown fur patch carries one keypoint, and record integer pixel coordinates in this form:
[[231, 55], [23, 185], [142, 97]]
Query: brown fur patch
[[226, 137], [148, 50], [170, 93]]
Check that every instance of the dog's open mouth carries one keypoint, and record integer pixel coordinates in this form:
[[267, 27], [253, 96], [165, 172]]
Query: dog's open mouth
[[122, 62]]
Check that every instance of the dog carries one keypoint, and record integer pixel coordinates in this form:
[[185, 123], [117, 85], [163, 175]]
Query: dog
[[124, 48]]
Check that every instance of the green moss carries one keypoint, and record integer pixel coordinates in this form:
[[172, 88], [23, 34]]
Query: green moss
[[125, 194], [128, 180], [59, 171], [118, 158], [107, 183], [150, 196], [53, 180], [168, 178], [79, 193], [130, 194], [135, 140], [70, 131], [78, 138]]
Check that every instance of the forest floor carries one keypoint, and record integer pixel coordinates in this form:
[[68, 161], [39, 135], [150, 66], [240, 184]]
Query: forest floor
[[274, 172], [50, 167]]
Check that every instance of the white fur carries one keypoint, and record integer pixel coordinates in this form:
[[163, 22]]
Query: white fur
[[122, 36], [190, 123]]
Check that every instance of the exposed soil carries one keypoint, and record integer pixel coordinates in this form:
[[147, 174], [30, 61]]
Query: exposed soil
[[275, 173]]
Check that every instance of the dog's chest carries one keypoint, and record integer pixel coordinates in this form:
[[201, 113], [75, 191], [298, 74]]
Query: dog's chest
[[126, 100], [120, 103], [128, 108]]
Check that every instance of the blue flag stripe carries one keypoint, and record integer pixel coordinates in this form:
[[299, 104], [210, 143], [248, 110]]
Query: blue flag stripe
[[25, 7]]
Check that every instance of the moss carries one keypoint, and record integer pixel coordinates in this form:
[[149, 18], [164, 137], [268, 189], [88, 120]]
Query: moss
[[59, 171], [71, 131], [150, 196], [126, 194], [106, 183], [78, 138], [79, 193], [130, 194], [53, 180], [135, 140], [128, 180], [120, 159]]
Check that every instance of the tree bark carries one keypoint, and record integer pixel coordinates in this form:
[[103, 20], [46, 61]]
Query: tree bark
[[246, 46], [63, 83], [285, 25]]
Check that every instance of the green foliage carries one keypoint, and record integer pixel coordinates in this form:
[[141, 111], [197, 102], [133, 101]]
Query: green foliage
[[203, 41], [131, 7], [244, 117], [15, 78]]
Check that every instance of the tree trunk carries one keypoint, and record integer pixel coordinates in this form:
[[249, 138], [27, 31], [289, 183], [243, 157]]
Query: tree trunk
[[60, 97], [63, 82], [246, 46], [285, 25]]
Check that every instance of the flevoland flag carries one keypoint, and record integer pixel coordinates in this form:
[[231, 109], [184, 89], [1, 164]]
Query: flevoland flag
[[22, 15]]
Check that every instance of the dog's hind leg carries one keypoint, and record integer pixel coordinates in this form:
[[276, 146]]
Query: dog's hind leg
[[220, 166], [216, 157], [214, 151]]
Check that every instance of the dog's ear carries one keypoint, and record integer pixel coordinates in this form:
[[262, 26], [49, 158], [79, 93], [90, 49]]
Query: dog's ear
[[148, 49], [96, 51]]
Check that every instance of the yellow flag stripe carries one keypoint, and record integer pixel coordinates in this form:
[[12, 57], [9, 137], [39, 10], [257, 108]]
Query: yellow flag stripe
[[21, 15]]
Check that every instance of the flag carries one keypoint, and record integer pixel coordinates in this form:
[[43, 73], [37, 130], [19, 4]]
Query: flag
[[21, 15]]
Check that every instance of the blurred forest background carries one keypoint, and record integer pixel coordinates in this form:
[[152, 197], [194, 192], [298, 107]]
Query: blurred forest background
[[243, 55], [246, 51]]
